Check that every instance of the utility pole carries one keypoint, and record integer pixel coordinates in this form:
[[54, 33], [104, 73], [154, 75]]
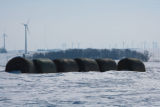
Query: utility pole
[[78, 45], [123, 44], [72, 45]]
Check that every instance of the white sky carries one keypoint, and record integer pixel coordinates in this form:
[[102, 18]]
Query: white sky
[[91, 23]]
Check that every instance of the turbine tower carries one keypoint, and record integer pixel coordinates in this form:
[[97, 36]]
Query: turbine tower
[[4, 40], [26, 30]]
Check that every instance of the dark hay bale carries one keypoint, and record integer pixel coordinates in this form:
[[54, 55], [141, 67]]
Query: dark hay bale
[[20, 64], [131, 64], [44, 65], [106, 64], [66, 65], [86, 64]]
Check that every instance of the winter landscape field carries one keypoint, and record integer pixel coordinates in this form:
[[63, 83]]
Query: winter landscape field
[[93, 89], [61, 29]]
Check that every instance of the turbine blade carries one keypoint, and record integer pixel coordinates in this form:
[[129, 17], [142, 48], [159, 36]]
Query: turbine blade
[[28, 21]]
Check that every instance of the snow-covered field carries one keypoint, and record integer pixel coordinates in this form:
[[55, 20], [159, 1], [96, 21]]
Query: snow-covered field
[[93, 89]]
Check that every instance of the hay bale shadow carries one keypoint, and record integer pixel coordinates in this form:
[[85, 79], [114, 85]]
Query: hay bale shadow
[[131, 64], [20, 64], [66, 65], [106, 64], [87, 64]]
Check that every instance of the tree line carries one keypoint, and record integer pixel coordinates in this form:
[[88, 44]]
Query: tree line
[[115, 54]]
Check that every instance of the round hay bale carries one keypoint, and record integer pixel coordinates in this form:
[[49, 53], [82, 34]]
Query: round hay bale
[[131, 64], [106, 64], [66, 65], [44, 65], [20, 64], [87, 64]]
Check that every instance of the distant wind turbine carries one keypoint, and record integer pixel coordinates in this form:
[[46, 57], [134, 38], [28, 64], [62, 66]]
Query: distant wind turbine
[[4, 40]]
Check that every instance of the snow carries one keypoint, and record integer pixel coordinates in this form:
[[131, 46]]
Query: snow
[[93, 89]]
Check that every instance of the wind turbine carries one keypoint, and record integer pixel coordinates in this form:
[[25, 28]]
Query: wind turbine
[[26, 29]]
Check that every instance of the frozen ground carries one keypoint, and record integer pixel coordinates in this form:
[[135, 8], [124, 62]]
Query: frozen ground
[[93, 89]]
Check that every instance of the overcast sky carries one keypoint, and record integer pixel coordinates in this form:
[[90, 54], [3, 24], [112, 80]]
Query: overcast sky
[[91, 23]]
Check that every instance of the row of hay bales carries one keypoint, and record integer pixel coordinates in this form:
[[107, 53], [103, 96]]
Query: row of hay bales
[[72, 65]]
